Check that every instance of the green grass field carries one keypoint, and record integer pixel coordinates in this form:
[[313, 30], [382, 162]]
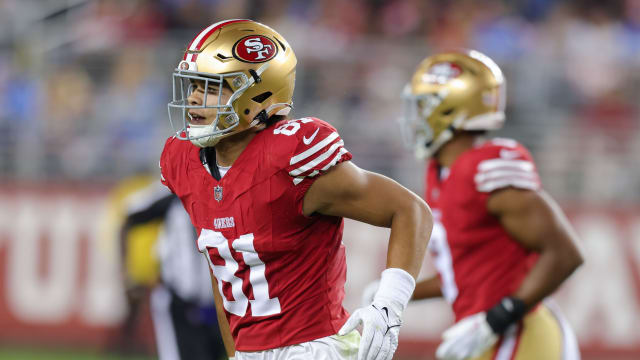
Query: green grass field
[[26, 354]]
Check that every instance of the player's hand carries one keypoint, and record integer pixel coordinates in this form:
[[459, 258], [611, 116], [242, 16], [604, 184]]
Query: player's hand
[[369, 292], [380, 328], [473, 335], [381, 319], [469, 337]]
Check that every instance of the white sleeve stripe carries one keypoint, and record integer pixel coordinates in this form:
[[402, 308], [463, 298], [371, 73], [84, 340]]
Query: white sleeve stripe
[[506, 178], [490, 175], [488, 165], [335, 159], [502, 183], [524, 169], [317, 147], [509, 168], [298, 180], [322, 157]]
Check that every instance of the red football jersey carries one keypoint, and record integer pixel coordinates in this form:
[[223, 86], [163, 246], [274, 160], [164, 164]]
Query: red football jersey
[[281, 274], [477, 261]]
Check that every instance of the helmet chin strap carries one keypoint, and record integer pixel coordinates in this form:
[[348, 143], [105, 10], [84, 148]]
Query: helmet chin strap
[[284, 110]]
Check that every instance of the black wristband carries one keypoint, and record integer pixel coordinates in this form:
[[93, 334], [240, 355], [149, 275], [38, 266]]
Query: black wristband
[[508, 311]]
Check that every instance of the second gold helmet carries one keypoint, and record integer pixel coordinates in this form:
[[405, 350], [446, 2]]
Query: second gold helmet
[[450, 92]]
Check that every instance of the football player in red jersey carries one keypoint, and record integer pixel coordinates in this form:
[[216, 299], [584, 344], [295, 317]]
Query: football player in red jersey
[[501, 244], [267, 196]]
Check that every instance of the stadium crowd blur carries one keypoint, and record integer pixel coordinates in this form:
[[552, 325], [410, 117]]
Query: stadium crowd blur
[[84, 83]]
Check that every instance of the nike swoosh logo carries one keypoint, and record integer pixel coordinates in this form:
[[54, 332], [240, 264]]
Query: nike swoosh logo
[[309, 140]]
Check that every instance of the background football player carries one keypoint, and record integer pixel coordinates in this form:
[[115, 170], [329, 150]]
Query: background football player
[[501, 244], [268, 196]]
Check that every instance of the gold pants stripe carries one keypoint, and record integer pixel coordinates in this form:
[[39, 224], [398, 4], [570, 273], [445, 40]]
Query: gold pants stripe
[[542, 334]]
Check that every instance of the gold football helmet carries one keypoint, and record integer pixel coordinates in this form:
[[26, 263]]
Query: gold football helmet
[[450, 92], [251, 59]]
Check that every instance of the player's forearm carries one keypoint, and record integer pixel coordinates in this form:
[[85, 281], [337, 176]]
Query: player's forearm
[[223, 323], [553, 267], [427, 289], [410, 232], [536, 222]]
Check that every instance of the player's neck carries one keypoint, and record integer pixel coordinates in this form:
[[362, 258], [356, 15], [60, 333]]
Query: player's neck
[[229, 149], [450, 151]]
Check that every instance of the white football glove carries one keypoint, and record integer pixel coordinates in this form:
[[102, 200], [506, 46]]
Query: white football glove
[[381, 319], [369, 292], [469, 337]]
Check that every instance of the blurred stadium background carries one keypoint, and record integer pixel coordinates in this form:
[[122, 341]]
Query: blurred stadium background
[[83, 92]]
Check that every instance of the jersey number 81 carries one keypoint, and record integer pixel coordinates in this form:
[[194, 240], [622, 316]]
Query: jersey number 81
[[262, 305]]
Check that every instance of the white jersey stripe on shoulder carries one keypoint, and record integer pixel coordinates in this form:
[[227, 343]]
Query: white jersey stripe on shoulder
[[314, 149], [335, 159], [488, 165], [490, 186], [507, 348], [499, 173], [298, 180], [322, 157], [506, 142]]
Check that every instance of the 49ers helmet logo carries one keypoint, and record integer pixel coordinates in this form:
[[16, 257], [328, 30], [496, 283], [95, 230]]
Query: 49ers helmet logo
[[442, 72], [255, 49]]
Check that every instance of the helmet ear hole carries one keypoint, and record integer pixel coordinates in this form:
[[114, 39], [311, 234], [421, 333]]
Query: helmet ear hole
[[262, 97], [447, 111]]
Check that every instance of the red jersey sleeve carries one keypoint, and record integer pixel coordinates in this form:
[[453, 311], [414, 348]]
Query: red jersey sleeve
[[165, 164], [311, 148], [316, 147], [505, 163]]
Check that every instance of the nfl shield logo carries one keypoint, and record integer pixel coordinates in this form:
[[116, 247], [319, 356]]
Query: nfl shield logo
[[217, 193]]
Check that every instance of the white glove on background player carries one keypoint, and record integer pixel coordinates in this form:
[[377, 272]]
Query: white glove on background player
[[473, 335], [381, 319], [469, 337]]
